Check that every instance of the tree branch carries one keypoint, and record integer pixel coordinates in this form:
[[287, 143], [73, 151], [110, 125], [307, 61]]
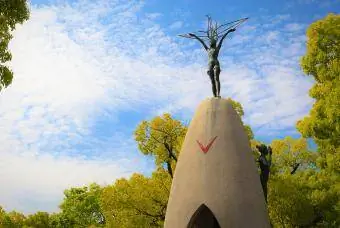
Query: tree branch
[[171, 153], [146, 147], [295, 167], [169, 169], [155, 139]]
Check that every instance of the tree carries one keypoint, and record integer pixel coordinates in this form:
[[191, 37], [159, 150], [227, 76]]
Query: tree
[[289, 204], [5, 220], [304, 189], [299, 194], [138, 202], [12, 12], [161, 137], [17, 219], [305, 199], [81, 207], [292, 155], [322, 62], [38, 220], [59, 220], [285, 190], [12, 219]]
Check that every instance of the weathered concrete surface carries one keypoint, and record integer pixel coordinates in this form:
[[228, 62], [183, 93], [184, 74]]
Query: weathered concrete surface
[[225, 178]]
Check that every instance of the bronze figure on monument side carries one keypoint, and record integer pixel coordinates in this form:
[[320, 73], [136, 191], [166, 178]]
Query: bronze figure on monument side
[[265, 161], [215, 35]]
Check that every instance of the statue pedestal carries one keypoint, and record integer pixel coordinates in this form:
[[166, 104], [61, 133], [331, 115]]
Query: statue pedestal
[[216, 183]]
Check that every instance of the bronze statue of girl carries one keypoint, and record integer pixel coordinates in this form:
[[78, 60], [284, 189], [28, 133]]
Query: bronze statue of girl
[[213, 35]]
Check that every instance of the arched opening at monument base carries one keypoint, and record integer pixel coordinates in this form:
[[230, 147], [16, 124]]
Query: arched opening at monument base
[[203, 218]]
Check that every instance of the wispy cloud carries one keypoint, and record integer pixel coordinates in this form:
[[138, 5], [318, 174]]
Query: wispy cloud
[[176, 25], [153, 16], [75, 63], [30, 182], [293, 27], [314, 3]]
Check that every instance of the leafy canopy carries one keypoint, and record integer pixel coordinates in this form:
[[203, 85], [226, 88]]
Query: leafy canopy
[[12, 12], [322, 63], [81, 206], [162, 138], [137, 202]]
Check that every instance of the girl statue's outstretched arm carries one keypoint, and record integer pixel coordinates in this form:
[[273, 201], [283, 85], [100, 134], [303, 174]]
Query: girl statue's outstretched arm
[[200, 40], [223, 37]]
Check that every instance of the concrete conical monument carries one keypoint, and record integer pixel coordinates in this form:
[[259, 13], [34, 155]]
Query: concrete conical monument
[[216, 183]]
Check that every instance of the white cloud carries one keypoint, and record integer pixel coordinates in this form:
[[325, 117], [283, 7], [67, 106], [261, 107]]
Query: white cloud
[[307, 1], [176, 25], [30, 183], [271, 36], [315, 3], [293, 27], [76, 62], [153, 15], [270, 21], [63, 80]]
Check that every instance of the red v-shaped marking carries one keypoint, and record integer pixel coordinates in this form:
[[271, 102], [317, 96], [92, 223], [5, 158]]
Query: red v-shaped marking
[[205, 149]]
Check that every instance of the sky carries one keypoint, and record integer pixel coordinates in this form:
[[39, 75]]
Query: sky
[[87, 72]]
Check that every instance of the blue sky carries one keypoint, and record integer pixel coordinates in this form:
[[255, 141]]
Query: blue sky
[[87, 72]]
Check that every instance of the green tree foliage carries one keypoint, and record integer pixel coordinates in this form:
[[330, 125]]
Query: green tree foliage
[[12, 219], [305, 199], [162, 138], [304, 188], [137, 202], [81, 207], [5, 220], [12, 12], [59, 220], [38, 220], [288, 203], [17, 219], [299, 194], [291, 155], [322, 62]]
